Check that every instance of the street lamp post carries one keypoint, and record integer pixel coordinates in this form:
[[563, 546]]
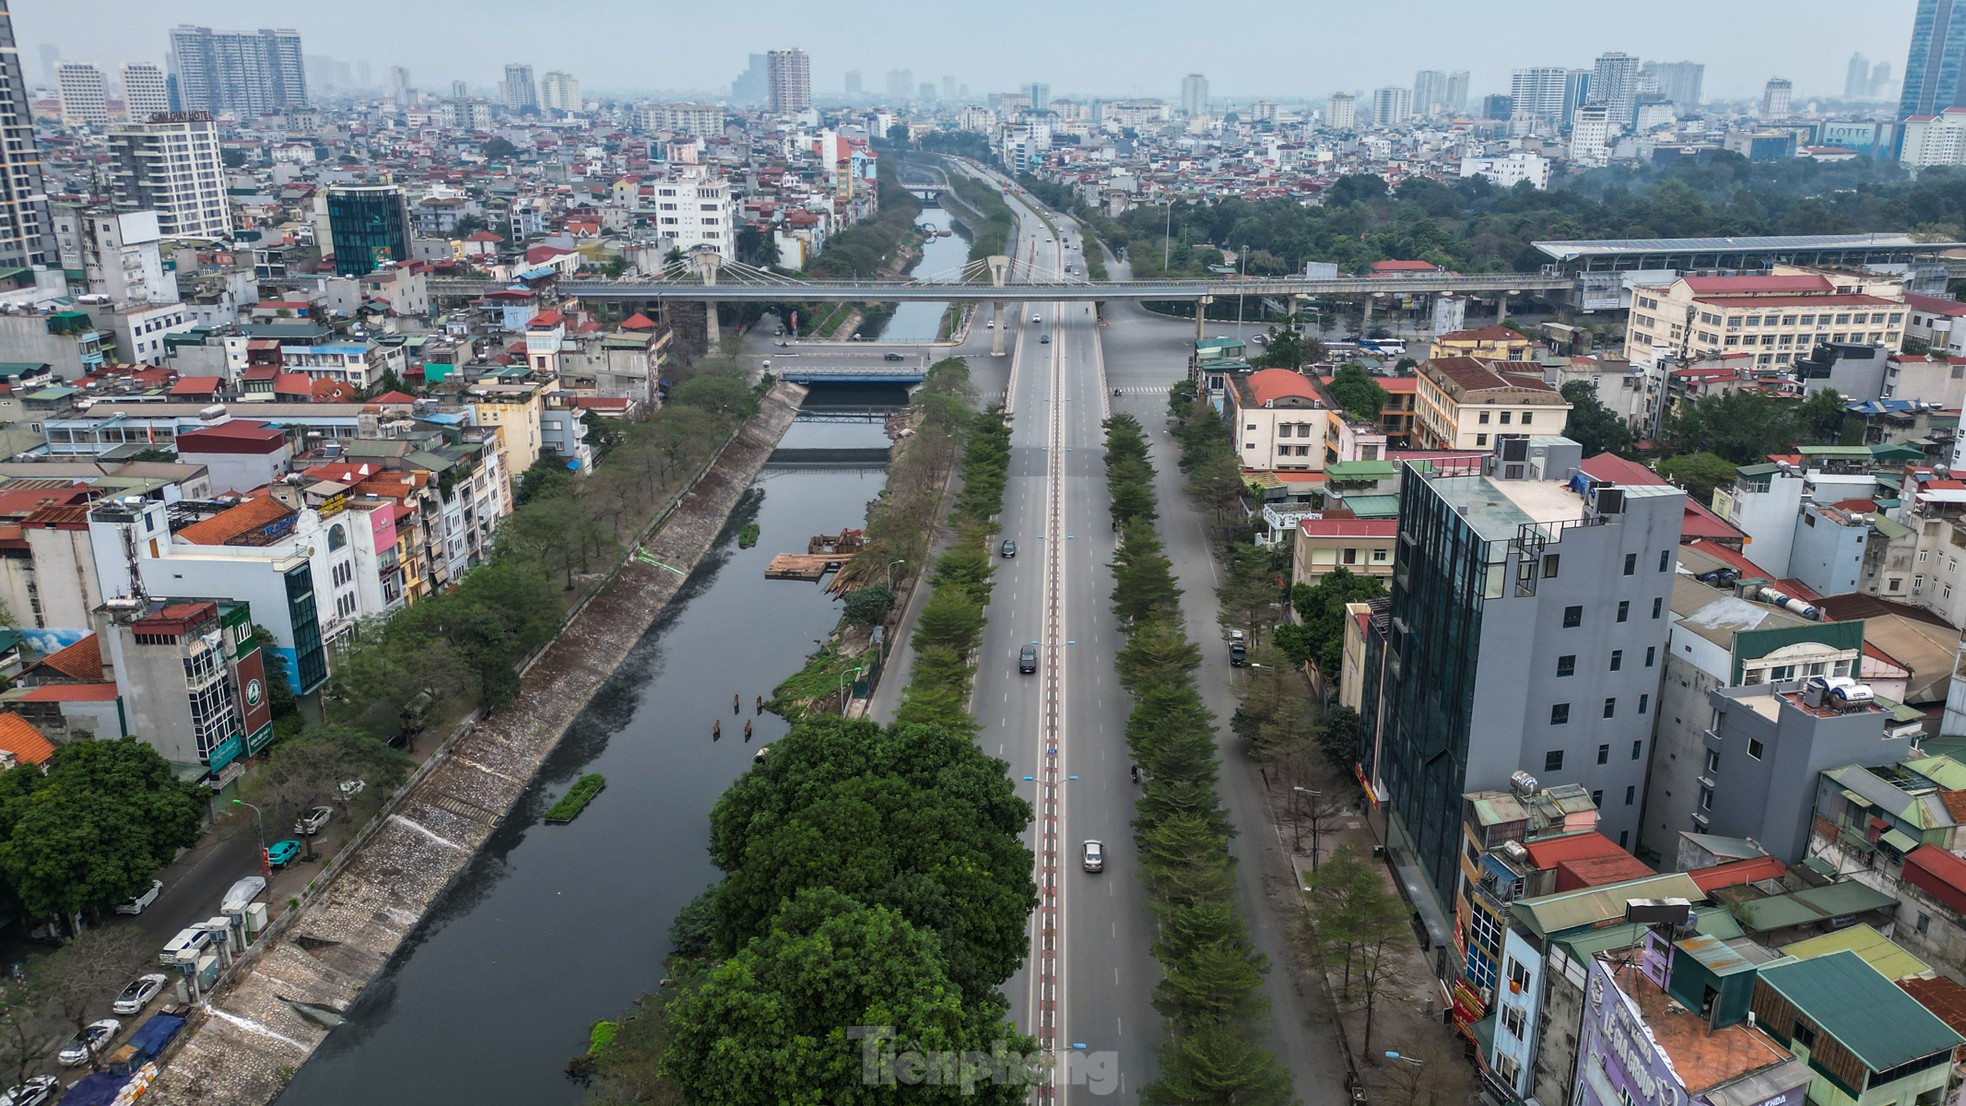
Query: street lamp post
[[890, 571], [259, 831], [1414, 1060], [1242, 272], [1166, 237]]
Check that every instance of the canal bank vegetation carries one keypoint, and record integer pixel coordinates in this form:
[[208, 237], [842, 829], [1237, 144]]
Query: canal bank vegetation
[[576, 799], [1210, 993], [874, 898], [991, 236]]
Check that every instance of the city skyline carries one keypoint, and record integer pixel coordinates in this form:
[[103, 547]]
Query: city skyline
[[1812, 46]]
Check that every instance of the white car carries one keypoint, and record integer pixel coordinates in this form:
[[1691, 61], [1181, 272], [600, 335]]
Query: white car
[[310, 823], [188, 939], [351, 788], [37, 1091], [91, 1041], [136, 905], [139, 993], [1037, 318]]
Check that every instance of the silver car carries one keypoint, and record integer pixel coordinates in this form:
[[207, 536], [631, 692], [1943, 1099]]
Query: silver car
[[310, 823], [139, 993], [93, 1040]]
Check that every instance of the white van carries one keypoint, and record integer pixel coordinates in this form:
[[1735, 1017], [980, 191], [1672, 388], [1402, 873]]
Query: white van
[[189, 938]]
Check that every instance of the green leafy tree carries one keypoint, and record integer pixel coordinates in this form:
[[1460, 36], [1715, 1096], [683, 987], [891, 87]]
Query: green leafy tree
[[1357, 393], [1699, 474], [1285, 349], [548, 476], [1217, 1064], [497, 148], [1338, 739], [1820, 418], [723, 394], [868, 606], [308, 769], [1743, 427], [1319, 636], [786, 1018], [1593, 425], [949, 620]]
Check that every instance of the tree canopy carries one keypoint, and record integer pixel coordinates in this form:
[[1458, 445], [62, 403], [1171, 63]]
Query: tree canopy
[[1593, 425]]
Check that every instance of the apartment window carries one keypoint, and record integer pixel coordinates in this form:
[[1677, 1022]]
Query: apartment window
[[1597, 798], [1924, 921], [1560, 716], [1505, 418], [1482, 418], [1573, 616], [1550, 566], [1644, 701], [1631, 564], [1617, 659], [1658, 607], [1706, 798], [1513, 1021], [1566, 665], [1604, 754], [1650, 651], [1553, 761], [1754, 748], [1481, 439], [1923, 554], [1713, 762], [1638, 749], [1624, 609], [1611, 707], [1527, 416], [1631, 794], [1665, 560]]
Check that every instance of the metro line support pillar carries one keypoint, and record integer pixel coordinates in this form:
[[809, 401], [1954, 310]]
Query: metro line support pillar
[[999, 270], [706, 265], [1201, 317]]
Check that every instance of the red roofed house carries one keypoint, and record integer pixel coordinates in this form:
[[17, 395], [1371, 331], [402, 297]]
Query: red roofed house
[[1931, 921], [198, 389], [1585, 860], [1775, 318], [242, 454], [1699, 522], [1464, 402], [1363, 546], [20, 742], [1933, 320], [1278, 420], [1496, 343]]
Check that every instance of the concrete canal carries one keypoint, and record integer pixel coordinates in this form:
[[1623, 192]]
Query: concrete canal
[[551, 927]]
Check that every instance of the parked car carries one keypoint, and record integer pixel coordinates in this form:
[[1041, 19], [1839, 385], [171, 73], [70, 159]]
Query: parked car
[[188, 939], [352, 788], [37, 1091], [1009, 548], [1093, 856], [137, 904], [281, 853], [1027, 659], [139, 993], [310, 823], [241, 893], [88, 1042], [890, 355]]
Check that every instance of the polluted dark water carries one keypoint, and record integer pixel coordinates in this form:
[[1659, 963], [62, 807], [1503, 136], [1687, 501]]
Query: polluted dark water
[[552, 927]]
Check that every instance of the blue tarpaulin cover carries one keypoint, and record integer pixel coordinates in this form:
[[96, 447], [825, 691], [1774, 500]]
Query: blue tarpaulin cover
[[99, 1089], [151, 1037]]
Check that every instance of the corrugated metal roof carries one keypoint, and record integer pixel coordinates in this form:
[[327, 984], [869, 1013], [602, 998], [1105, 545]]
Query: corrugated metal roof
[[1877, 950], [1851, 1001], [1373, 506], [1598, 905]]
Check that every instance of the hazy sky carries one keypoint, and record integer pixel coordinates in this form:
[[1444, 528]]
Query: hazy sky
[[1295, 48]]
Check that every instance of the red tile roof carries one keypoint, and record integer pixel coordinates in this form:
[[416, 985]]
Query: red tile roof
[[95, 692], [1551, 851], [293, 384], [1484, 334], [1596, 871], [80, 661], [19, 737], [1749, 303], [197, 385], [1270, 385], [1696, 522], [638, 321], [234, 522], [1939, 873], [1935, 305]]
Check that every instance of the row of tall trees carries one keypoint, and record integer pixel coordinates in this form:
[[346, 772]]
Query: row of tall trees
[[1211, 988]]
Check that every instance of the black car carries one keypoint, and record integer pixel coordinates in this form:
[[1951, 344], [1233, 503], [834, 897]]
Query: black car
[[1027, 659], [1009, 548], [891, 356]]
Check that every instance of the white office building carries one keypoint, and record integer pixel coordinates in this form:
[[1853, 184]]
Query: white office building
[[560, 92], [1391, 106], [694, 210], [84, 95], [1590, 135], [145, 92], [171, 165], [1341, 111], [1507, 172]]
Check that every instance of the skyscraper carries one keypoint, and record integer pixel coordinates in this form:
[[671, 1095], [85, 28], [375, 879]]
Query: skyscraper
[[1040, 93], [1614, 83], [1341, 111], [1457, 92], [1429, 92], [949, 90], [24, 237], [399, 84], [249, 73], [1679, 81], [1775, 98], [1880, 78], [852, 84], [900, 85], [1936, 61], [370, 225], [172, 166], [50, 58], [459, 90], [788, 76], [751, 86], [560, 93], [145, 91], [84, 95], [1856, 79], [1579, 88], [1496, 106], [521, 95], [1538, 93], [1194, 95], [1391, 106]]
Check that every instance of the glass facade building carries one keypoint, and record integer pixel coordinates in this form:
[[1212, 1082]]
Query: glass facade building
[[1932, 67], [370, 225]]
